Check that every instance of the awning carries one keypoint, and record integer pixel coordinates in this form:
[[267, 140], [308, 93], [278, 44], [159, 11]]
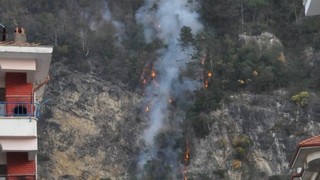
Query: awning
[[18, 145]]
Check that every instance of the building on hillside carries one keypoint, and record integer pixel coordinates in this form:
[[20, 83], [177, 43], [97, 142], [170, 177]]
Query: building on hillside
[[306, 161], [312, 7], [24, 71]]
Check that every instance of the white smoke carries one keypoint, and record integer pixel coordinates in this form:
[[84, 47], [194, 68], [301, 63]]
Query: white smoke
[[164, 19], [107, 17]]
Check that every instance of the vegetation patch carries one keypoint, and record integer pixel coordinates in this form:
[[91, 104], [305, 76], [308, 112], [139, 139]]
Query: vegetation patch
[[241, 145], [301, 99]]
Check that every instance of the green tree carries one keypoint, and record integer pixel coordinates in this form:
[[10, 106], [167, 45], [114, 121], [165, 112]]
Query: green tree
[[301, 99], [186, 37]]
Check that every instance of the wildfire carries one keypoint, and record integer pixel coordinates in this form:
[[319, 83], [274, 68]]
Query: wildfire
[[206, 83], [186, 160], [209, 74], [187, 154], [153, 74]]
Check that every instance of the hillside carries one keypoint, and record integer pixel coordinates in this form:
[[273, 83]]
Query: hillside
[[208, 89]]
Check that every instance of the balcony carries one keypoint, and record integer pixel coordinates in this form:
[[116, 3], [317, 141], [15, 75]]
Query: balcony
[[18, 119]]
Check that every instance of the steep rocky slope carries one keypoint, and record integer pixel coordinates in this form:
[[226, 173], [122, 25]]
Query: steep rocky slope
[[88, 128], [254, 137]]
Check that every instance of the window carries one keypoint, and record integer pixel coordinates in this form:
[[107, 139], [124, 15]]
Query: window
[[19, 111]]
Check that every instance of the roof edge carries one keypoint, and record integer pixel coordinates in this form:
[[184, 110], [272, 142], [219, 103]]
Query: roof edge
[[27, 49]]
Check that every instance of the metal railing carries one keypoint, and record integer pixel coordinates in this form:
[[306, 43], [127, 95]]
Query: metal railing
[[19, 109], [18, 106]]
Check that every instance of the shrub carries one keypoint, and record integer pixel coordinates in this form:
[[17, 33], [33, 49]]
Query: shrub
[[200, 124], [301, 99], [241, 145], [236, 164], [221, 173], [242, 141]]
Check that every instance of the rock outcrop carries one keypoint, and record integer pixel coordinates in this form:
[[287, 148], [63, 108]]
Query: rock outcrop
[[254, 137], [88, 128]]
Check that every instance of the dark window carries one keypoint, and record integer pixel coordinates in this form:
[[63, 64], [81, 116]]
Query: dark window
[[19, 110]]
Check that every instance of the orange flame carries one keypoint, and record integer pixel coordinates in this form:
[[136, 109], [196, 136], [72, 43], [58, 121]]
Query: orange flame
[[187, 156], [153, 74], [209, 74], [206, 84], [186, 159]]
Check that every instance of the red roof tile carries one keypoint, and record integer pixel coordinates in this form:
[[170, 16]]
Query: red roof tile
[[313, 141]]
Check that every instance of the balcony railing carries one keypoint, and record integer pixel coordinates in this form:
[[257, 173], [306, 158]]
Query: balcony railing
[[18, 117], [19, 109], [20, 106]]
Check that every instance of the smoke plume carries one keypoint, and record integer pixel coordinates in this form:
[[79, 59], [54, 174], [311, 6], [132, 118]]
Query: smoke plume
[[107, 17], [164, 19]]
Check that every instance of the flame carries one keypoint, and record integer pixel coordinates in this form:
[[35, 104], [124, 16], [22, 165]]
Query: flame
[[209, 74], [206, 83], [153, 74], [187, 156], [147, 109], [186, 159]]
